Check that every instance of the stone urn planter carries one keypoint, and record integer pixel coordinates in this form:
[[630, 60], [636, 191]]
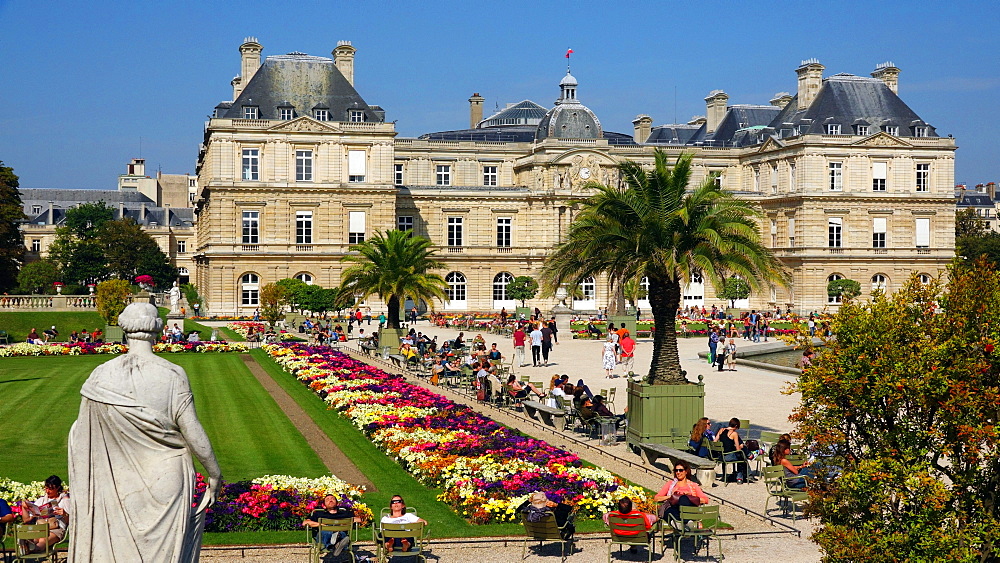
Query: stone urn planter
[[663, 414]]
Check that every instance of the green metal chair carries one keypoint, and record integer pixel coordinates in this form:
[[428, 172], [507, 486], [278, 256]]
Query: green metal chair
[[777, 487], [745, 428], [610, 397], [547, 530], [416, 531], [31, 532], [718, 453], [630, 531], [699, 523], [4, 337], [317, 550]]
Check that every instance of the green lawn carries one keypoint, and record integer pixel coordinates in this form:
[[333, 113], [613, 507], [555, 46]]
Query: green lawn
[[41, 400], [19, 323]]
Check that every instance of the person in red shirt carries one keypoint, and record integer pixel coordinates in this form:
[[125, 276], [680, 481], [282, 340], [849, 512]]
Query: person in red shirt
[[626, 510], [519, 338], [628, 348]]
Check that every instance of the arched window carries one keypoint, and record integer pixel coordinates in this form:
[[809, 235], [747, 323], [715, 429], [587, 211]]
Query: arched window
[[880, 282], [697, 278], [500, 282], [588, 288], [924, 279], [305, 278], [833, 298], [456, 286], [250, 290], [182, 271]]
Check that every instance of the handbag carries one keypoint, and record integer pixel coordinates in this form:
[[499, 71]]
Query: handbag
[[481, 394], [751, 445]]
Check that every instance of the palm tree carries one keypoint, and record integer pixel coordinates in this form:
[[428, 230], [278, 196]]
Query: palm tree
[[394, 267], [652, 226]]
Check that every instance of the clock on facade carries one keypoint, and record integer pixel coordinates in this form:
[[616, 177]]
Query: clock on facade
[[585, 173]]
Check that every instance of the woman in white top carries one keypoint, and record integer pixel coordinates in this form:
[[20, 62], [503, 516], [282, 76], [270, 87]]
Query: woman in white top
[[731, 354], [399, 515], [608, 355], [52, 508]]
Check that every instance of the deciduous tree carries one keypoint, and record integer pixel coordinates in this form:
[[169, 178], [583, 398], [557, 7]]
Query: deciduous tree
[[38, 277], [273, 298], [734, 288], [522, 288], [111, 299], [11, 240]]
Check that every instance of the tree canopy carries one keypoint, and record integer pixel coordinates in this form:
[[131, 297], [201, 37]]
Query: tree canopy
[[522, 288], [734, 288], [38, 277], [652, 226], [11, 240], [395, 267], [905, 400], [843, 288]]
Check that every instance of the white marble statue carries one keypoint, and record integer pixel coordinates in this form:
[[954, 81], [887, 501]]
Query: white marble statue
[[130, 456], [175, 299]]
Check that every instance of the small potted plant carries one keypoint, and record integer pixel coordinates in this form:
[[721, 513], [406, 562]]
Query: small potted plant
[[59, 286]]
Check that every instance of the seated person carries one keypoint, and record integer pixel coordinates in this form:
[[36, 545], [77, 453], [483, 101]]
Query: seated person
[[732, 446], [626, 510], [794, 474], [592, 329], [459, 342], [331, 510], [681, 491], [494, 355], [84, 336], [399, 515], [50, 333], [538, 506], [194, 336], [6, 515], [252, 335], [52, 508], [97, 336], [407, 351], [270, 335], [770, 453], [699, 432], [600, 408], [479, 341], [33, 337], [519, 390]]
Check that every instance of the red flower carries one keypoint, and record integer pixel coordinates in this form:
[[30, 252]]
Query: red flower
[[988, 348]]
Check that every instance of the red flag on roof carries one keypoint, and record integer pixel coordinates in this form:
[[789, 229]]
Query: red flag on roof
[[569, 52]]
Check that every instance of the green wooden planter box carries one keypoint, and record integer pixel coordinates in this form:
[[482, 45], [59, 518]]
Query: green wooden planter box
[[628, 321], [654, 411], [526, 312], [113, 333], [390, 337]]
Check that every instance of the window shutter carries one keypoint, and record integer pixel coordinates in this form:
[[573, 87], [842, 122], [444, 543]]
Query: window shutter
[[878, 224], [923, 232], [356, 163], [356, 221], [879, 171]]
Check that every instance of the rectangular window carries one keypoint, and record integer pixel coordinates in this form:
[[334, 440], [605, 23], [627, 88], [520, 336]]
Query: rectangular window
[[455, 231], [923, 177], [285, 113], [356, 227], [791, 176], [303, 227], [251, 164], [182, 247], [892, 130], [879, 174], [321, 114], [404, 223], [36, 245], [504, 231], [443, 177], [923, 232], [863, 130], [36, 209], [878, 232], [357, 115], [356, 166], [919, 131], [774, 179], [251, 227], [833, 129], [834, 230], [774, 233], [303, 166], [756, 179], [489, 175], [397, 170], [250, 112], [791, 231], [836, 176]]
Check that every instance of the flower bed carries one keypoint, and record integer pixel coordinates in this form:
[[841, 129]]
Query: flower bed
[[80, 349], [243, 329], [272, 502], [486, 470]]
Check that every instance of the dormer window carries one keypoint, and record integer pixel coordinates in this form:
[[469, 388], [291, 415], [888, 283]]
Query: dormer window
[[285, 113], [321, 114], [251, 112], [36, 209], [833, 129], [356, 116], [891, 130], [863, 130], [920, 131]]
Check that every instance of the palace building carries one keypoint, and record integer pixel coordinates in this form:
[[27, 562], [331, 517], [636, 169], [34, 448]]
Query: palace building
[[298, 167]]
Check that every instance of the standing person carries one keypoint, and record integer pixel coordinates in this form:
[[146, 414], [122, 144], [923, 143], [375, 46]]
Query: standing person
[[681, 491], [812, 325], [413, 314], [554, 329], [256, 315], [613, 335], [720, 358], [731, 354], [536, 346], [608, 356], [519, 338], [381, 320], [713, 344], [765, 326], [546, 343]]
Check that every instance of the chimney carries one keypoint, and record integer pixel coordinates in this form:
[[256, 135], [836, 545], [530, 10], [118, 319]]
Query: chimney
[[343, 57], [641, 126], [781, 99], [810, 79], [121, 209], [52, 213], [249, 63], [715, 108], [697, 120], [888, 73], [475, 110]]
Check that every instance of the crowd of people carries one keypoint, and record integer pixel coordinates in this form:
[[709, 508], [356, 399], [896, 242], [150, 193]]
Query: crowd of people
[[75, 337]]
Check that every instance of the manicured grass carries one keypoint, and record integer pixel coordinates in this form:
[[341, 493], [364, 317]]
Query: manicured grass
[[250, 434], [19, 323], [230, 335]]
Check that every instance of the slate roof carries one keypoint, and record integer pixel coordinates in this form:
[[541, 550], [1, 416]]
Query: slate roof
[[742, 125], [525, 112], [850, 100], [510, 134], [676, 134], [973, 199], [304, 82], [63, 199]]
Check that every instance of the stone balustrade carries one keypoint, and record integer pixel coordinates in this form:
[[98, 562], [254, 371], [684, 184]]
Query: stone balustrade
[[58, 302]]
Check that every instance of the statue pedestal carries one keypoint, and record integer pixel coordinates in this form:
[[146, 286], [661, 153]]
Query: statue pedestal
[[175, 317], [563, 316]]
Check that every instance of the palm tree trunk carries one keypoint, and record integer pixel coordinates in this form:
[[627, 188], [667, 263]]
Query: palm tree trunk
[[393, 305], [616, 305], [664, 299]]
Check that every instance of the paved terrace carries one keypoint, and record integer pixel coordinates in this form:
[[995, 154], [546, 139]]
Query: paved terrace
[[747, 393]]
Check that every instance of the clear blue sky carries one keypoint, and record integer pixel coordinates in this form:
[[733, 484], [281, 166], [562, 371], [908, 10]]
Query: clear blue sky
[[82, 82]]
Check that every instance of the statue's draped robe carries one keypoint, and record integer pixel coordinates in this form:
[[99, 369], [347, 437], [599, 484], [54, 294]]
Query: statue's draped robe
[[130, 470]]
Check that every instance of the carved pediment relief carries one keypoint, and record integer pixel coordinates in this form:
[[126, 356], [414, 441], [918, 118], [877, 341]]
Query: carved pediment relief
[[304, 124], [770, 144], [882, 139]]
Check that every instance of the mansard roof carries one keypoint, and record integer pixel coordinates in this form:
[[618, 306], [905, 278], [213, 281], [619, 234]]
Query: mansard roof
[[136, 206], [304, 82], [525, 112], [510, 134], [850, 101]]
